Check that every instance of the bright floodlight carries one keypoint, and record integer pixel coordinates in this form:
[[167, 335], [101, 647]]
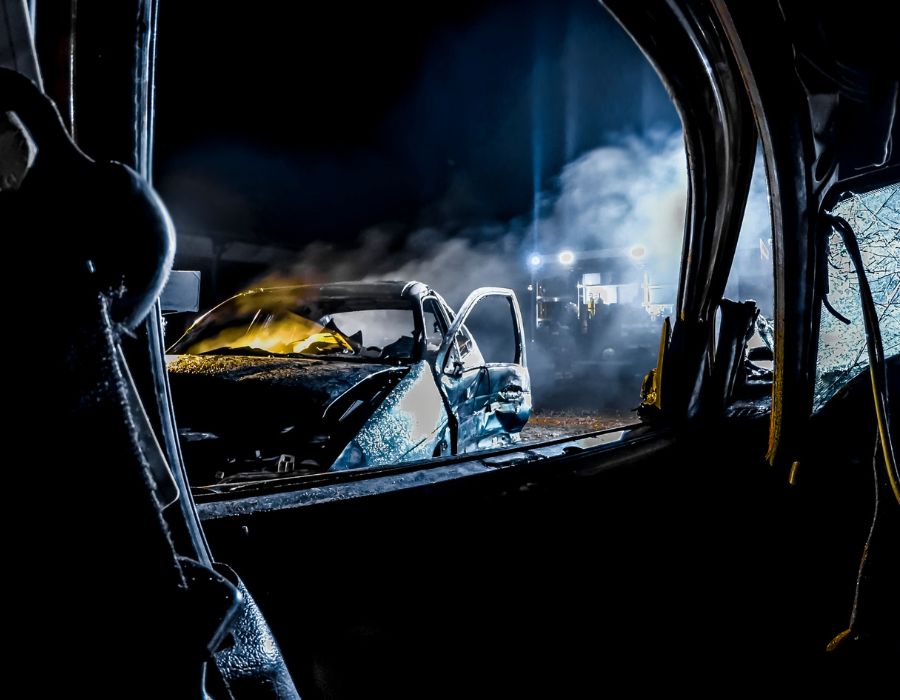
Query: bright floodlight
[[637, 252], [534, 260], [566, 257]]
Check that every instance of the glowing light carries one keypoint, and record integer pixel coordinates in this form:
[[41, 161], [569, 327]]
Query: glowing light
[[566, 257], [534, 260], [637, 252]]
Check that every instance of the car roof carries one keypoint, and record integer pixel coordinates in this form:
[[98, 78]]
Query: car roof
[[388, 289]]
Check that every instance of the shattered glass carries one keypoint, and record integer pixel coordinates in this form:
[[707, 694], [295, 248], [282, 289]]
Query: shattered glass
[[842, 355]]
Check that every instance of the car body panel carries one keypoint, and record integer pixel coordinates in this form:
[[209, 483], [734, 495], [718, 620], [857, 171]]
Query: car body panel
[[492, 400]]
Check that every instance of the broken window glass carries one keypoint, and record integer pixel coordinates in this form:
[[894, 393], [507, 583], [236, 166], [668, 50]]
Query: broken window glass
[[842, 355]]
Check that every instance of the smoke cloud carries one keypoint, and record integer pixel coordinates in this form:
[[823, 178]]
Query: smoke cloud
[[632, 192]]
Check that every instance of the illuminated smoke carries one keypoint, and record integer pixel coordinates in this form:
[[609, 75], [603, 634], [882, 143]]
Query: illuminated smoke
[[614, 196], [632, 192]]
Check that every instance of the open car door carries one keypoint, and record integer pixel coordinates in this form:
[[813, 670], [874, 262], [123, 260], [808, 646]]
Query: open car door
[[489, 402]]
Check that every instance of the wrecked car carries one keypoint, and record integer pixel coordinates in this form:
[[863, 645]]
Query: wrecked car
[[306, 379]]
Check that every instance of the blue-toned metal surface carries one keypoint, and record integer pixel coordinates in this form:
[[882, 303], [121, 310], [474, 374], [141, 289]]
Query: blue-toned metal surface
[[491, 402], [405, 427], [511, 390]]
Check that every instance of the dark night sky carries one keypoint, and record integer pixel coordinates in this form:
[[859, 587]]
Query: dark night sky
[[305, 121]]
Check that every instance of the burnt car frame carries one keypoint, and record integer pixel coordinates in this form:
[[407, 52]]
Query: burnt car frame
[[727, 530], [289, 380]]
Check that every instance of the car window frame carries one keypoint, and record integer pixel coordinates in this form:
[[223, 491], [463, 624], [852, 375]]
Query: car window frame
[[700, 261]]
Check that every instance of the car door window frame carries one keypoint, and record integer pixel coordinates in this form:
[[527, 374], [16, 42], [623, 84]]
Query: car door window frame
[[458, 325]]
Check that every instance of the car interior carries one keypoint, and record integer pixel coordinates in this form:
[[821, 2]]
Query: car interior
[[738, 528]]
